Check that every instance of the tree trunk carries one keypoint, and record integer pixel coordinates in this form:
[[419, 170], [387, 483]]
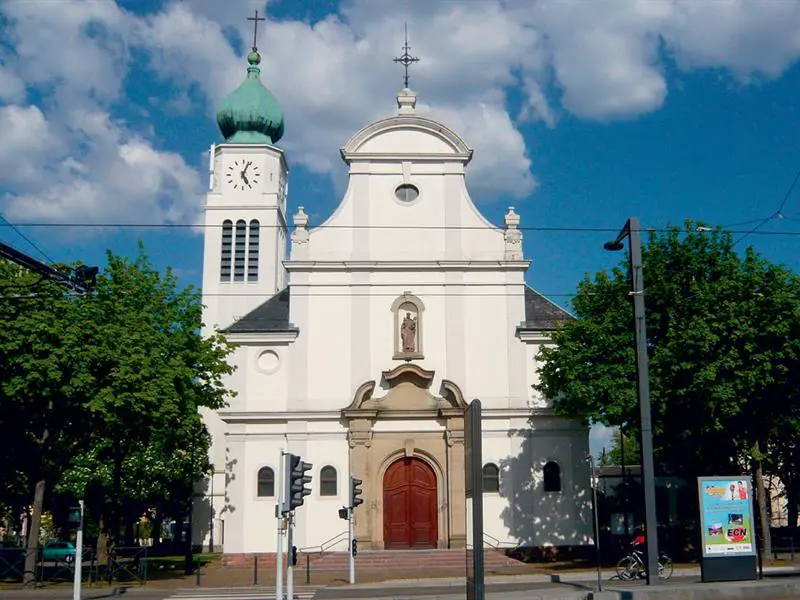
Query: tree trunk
[[792, 498], [761, 496], [31, 558], [102, 541]]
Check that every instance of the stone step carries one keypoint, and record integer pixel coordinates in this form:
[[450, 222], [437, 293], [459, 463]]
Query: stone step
[[408, 559]]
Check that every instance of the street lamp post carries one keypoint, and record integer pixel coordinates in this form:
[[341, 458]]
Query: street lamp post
[[631, 231], [593, 483]]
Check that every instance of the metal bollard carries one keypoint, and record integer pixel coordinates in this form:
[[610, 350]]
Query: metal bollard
[[198, 571], [255, 569], [308, 569]]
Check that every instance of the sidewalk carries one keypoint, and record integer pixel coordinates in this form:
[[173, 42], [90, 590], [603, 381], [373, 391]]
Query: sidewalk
[[778, 583]]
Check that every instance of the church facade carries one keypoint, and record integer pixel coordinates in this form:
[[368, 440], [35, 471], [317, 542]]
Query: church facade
[[361, 340]]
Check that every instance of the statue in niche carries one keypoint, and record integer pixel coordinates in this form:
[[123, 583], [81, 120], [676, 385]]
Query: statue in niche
[[408, 333]]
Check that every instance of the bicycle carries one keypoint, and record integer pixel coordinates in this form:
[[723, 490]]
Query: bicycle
[[632, 566]]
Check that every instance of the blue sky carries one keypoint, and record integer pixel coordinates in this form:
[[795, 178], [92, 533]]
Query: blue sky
[[580, 114]]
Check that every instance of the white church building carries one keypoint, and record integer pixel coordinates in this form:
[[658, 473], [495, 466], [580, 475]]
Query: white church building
[[361, 339]]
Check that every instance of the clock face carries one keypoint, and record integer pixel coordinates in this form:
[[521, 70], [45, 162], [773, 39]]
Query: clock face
[[243, 174]]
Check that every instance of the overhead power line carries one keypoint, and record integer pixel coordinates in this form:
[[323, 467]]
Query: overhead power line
[[393, 227], [27, 239], [778, 214]]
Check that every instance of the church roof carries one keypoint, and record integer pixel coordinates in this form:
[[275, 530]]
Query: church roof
[[273, 315], [542, 314]]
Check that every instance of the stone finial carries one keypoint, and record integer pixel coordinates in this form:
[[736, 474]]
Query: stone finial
[[406, 102], [300, 234], [300, 218], [513, 236], [512, 218]]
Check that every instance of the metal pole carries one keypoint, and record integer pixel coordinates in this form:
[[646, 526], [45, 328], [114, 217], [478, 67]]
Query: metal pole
[[289, 566], [596, 523], [350, 543], [643, 388], [76, 583], [279, 544]]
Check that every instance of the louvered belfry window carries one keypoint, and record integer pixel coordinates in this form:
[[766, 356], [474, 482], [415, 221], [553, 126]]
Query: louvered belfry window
[[239, 252], [252, 252], [226, 251]]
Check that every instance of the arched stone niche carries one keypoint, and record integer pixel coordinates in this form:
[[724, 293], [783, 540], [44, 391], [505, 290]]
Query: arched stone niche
[[407, 316]]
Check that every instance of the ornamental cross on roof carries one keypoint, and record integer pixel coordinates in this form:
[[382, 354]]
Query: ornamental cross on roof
[[406, 59], [255, 20]]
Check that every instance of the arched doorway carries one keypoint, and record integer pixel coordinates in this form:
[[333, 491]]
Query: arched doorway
[[410, 515]]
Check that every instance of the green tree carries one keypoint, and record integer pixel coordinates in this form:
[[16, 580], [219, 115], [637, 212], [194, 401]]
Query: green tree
[[100, 393], [723, 345], [151, 370], [42, 390]]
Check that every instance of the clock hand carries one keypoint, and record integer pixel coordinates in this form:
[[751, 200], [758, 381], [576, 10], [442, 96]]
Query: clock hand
[[244, 178], [247, 166]]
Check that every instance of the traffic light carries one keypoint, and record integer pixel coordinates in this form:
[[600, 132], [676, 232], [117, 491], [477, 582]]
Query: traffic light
[[354, 547], [294, 555], [297, 479], [74, 515], [355, 492]]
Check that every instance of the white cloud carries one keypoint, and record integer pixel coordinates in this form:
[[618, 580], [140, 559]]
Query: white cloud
[[66, 159], [25, 143], [599, 60]]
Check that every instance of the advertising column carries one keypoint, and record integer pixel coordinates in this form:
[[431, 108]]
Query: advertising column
[[727, 529]]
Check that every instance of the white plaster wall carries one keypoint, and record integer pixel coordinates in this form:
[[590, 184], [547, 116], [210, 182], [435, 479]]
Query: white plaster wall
[[522, 512], [267, 376], [535, 398], [253, 527], [347, 347]]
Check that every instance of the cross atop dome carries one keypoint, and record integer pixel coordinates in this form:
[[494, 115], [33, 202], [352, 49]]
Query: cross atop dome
[[406, 59], [255, 21]]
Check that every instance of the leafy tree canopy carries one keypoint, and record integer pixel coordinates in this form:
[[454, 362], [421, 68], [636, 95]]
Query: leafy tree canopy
[[723, 344]]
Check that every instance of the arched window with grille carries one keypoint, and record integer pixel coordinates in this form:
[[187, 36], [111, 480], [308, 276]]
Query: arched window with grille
[[491, 478], [226, 251], [239, 251], [552, 477], [266, 482], [328, 484], [252, 252]]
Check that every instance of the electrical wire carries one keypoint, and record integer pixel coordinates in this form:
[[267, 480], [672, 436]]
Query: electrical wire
[[777, 214], [26, 238], [569, 229]]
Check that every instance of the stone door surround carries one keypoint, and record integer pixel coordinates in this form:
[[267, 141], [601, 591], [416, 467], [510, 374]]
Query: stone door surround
[[408, 398]]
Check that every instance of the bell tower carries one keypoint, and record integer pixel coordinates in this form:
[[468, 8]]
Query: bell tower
[[245, 209]]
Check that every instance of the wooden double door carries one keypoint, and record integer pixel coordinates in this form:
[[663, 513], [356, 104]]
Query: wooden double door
[[410, 506]]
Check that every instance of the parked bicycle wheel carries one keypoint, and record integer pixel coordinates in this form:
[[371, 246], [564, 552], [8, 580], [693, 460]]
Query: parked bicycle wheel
[[665, 567], [627, 568]]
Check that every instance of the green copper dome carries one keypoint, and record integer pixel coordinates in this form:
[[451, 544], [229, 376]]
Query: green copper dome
[[251, 114]]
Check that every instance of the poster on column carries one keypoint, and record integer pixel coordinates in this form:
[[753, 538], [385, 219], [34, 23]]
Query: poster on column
[[726, 517]]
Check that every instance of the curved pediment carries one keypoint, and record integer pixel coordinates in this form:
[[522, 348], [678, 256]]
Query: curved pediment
[[408, 394], [406, 135]]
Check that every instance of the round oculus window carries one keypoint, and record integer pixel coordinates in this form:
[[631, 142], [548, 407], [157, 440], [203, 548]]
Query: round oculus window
[[406, 192]]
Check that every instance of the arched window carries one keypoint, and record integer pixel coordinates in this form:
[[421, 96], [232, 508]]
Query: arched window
[[227, 247], [491, 478], [252, 252], [238, 259], [552, 477], [266, 482], [327, 481]]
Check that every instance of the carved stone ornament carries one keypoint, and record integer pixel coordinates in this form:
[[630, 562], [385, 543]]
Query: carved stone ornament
[[300, 234], [513, 236], [407, 318]]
